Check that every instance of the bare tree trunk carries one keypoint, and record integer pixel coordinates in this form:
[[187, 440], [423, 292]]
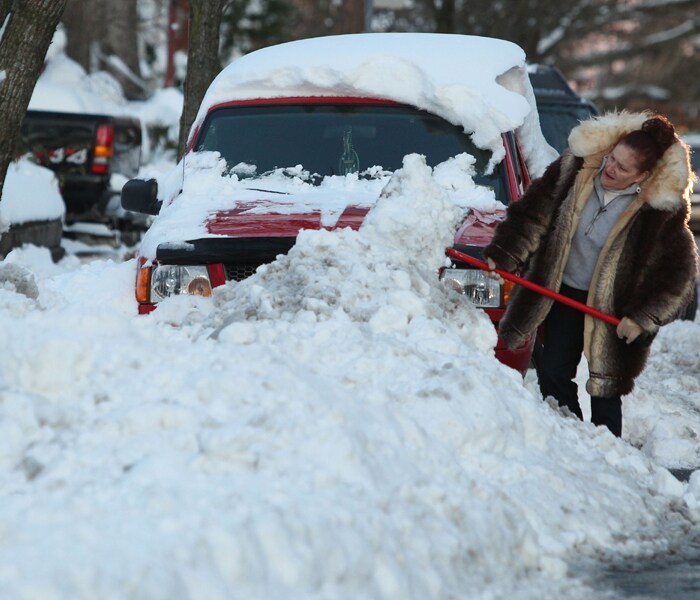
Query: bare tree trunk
[[121, 41], [5, 6], [28, 33], [100, 32], [352, 17], [81, 21], [445, 17], [202, 60]]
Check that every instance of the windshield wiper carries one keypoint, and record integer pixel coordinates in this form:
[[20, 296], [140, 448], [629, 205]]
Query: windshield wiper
[[267, 191]]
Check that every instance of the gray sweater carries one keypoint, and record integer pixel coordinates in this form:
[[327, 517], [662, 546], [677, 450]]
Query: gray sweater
[[597, 219]]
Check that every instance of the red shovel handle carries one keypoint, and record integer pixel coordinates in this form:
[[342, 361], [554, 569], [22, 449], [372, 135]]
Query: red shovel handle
[[535, 287]]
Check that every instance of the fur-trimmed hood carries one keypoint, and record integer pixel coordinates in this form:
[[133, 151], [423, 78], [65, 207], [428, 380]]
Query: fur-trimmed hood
[[671, 181]]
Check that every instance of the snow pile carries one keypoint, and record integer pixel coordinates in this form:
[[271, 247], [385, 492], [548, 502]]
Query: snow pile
[[64, 86], [336, 426], [664, 408], [30, 193], [160, 116], [162, 109], [478, 83]]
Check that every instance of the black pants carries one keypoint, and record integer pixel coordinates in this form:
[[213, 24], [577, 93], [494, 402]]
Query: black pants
[[557, 359]]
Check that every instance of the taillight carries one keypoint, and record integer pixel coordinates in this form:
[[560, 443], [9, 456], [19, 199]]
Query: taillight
[[104, 144]]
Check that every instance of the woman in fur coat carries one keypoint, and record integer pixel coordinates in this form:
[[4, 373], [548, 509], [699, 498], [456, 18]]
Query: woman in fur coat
[[605, 225]]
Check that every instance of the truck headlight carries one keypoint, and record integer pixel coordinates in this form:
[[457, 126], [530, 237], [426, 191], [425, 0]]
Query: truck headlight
[[480, 290], [172, 280]]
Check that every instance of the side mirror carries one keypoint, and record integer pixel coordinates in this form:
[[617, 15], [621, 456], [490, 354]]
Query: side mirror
[[140, 195]]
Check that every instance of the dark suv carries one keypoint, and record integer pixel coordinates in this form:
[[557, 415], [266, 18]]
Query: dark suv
[[559, 107]]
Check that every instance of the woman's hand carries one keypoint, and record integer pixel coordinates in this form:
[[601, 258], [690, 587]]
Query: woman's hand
[[628, 329], [491, 273]]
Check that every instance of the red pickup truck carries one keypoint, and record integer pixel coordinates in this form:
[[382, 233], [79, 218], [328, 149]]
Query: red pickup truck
[[329, 135]]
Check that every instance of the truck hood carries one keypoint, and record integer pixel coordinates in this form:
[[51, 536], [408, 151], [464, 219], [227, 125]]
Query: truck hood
[[263, 218], [478, 228]]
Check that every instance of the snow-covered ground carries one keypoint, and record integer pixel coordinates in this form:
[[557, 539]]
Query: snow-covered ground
[[334, 427]]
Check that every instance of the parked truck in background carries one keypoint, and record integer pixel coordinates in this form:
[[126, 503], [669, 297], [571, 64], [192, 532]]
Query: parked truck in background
[[91, 155]]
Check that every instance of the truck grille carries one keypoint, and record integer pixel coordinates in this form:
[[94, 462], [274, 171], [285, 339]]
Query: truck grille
[[240, 272]]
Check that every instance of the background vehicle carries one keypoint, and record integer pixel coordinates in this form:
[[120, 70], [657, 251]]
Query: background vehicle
[[693, 140], [91, 156], [559, 107]]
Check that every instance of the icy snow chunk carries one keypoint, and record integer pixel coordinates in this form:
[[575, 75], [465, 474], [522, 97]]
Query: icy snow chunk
[[20, 279]]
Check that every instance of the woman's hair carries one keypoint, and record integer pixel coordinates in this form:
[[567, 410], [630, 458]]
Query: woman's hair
[[651, 141]]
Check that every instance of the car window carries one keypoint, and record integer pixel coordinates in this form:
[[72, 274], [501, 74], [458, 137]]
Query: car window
[[695, 158], [557, 121], [337, 139]]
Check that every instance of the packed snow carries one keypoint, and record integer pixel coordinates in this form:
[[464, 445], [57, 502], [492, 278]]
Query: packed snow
[[65, 86], [335, 426]]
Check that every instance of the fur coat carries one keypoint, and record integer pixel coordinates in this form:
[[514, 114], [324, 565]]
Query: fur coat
[[646, 270]]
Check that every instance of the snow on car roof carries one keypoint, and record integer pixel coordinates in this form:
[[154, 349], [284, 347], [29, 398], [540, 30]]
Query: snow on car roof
[[478, 83]]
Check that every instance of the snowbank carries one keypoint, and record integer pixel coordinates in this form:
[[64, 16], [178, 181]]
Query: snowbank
[[30, 193], [162, 109], [665, 408], [335, 426], [64, 86], [478, 83]]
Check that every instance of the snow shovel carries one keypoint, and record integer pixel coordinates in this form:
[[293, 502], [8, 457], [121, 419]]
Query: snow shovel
[[535, 287]]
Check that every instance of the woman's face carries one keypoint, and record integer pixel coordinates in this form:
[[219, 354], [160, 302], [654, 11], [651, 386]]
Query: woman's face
[[621, 169]]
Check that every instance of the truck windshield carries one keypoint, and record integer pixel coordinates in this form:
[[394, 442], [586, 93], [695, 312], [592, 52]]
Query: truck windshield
[[338, 139]]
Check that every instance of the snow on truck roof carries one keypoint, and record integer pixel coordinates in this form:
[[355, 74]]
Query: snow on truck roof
[[478, 83]]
